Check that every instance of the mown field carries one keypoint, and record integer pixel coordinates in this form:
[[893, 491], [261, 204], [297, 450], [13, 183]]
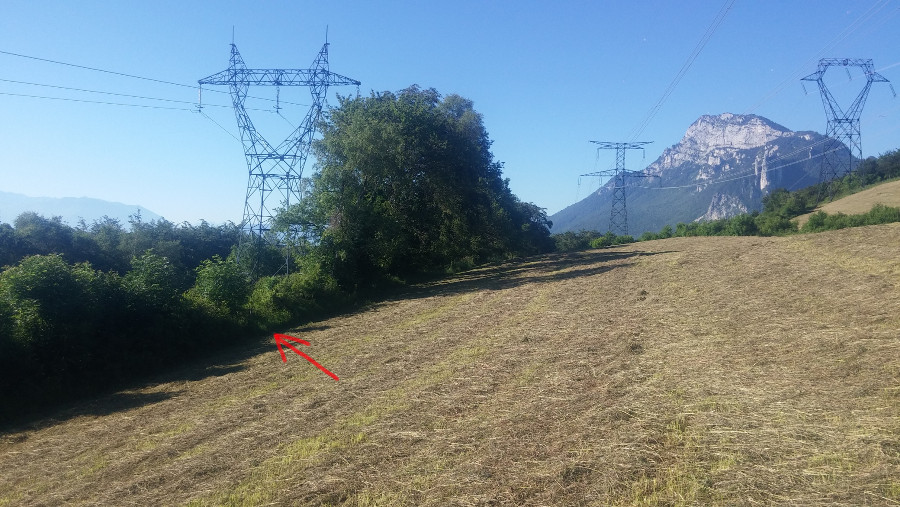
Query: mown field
[[860, 202], [721, 370]]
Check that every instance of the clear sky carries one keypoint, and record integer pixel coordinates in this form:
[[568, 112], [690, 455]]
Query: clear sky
[[547, 77]]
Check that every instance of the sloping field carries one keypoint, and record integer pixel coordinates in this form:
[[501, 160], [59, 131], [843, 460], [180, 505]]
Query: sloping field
[[682, 371], [860, 202]]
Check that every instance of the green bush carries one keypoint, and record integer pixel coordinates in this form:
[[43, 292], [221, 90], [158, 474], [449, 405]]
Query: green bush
[[610, 239], [571, 241], [153, 282], [881, 214], [772, 224], [265, 307], [221, 285]]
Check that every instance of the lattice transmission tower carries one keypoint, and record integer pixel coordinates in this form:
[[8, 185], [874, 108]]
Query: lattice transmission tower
[[844, 145], [275, 172], [618, 214]]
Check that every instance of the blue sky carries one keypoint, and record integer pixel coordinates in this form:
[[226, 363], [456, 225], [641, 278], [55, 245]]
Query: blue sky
[[547, 77]]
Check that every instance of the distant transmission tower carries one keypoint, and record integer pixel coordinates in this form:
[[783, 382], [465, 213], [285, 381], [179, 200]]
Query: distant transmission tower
[[618, 214], [843, 130], [275, 172]]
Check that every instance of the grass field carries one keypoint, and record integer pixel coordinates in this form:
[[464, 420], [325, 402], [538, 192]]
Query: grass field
[[722, 370], [860, 202]]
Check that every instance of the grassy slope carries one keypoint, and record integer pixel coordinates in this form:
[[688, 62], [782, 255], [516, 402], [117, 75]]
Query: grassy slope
[[861, 202], [688, 370]]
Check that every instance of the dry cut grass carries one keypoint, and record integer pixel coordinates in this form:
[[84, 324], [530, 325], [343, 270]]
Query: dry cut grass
[[860, 202], [713, 371]]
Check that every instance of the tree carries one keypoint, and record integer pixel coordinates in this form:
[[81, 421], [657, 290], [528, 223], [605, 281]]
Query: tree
[[153, 283], [222, 284], [41, 235], [407, 184]]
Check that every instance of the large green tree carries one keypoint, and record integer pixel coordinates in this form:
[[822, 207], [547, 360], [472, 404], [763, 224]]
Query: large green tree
[[407, 184]]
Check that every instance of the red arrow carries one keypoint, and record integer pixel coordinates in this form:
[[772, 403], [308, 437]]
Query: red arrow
[[281, 339]]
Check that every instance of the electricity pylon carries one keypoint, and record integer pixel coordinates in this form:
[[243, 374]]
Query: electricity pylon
[[275, 172], [842, 131], [618, 214]]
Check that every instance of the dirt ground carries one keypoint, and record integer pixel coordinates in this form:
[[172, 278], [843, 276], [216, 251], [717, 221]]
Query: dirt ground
[[680, 371]]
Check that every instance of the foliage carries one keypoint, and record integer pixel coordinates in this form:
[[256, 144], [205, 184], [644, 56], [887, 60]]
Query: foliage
[[570, 241], [221, 284], [611, 239], [879, 214], [407, 186], [154, 283]]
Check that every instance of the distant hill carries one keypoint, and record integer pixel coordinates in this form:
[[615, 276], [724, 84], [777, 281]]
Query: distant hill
[[860, 202], [723, 166], [71, 209]]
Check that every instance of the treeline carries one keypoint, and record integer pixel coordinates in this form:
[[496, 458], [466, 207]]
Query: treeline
[[87, 307], [406, 188], [775, 219]]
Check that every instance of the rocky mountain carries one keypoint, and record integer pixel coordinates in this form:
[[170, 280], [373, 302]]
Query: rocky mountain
[[723, 166], [71, 209]]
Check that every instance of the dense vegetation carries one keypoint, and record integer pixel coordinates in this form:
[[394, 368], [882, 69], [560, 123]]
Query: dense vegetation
[[407, 187], [82, 308]]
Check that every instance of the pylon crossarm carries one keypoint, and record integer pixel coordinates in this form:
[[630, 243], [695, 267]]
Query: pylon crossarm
[[278, 77]]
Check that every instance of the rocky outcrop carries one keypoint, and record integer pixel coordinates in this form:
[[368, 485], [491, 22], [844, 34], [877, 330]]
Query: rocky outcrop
[[724, 165], [724, 145], [723, 206]]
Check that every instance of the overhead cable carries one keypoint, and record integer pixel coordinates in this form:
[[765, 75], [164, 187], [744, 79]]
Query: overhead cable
[[133, 76]]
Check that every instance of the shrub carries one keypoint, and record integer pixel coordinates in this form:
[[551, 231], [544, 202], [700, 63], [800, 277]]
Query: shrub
[[264, 305], [881, 214], [610, 239], [153, 283], [221, 285]]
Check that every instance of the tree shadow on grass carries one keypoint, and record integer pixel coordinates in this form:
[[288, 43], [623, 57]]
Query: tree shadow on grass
[[543, 269], [118, 402], [36, 419], [121, 396]]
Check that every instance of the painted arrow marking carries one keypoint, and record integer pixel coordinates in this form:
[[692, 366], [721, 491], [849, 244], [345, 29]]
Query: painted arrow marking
[[281, 339]]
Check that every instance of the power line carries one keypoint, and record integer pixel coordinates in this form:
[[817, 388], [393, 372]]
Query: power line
[[147, 106], [108, 93], [717, 21], [803, 69], [133, 76], [96, 69], [218, 125]]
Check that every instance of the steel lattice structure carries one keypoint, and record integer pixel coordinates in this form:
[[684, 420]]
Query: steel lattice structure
[[843, 131], [618, 214], [275, 172]]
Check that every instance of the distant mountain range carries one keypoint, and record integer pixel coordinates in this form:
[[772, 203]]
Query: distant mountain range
[[71, 209], [723, 166]]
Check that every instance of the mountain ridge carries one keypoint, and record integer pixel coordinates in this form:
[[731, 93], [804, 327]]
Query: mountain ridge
[[723, 165], [70, 209]]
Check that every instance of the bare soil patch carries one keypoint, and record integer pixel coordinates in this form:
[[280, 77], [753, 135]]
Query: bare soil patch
[[681, 371]]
